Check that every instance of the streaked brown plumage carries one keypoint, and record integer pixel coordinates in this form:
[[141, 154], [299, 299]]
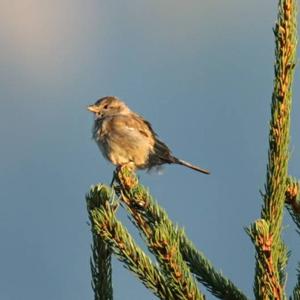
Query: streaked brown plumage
[[125, 137]]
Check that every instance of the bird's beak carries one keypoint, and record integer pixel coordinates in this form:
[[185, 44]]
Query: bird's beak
[[92, 108]]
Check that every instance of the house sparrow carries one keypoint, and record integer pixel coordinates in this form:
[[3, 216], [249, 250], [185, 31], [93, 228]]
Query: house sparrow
[[124, 137]]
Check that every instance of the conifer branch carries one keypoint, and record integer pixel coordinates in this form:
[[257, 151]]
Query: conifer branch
[[271, 253], [296, 291], [292, 201], [202, 268], [293, 205], [161, 235], [164, 244], [147, 215], [112, 232], [100, 261]]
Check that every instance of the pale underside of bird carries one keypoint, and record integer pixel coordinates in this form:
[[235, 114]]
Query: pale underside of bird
[[124, 137]]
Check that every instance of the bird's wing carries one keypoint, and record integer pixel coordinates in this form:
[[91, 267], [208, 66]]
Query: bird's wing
[[138, 133], [161, 153], [132, 126]]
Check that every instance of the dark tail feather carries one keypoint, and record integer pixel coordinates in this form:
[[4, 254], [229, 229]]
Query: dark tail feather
[[163, 155], [187, 164]]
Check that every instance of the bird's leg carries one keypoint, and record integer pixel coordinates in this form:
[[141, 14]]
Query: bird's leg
[[118, 171], [113, 178], [117, 203]]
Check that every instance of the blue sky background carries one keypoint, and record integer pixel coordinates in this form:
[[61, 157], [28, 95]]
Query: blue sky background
[[200, 71]]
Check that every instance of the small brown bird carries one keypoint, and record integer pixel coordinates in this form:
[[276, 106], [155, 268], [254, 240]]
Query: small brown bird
[[124, 137]]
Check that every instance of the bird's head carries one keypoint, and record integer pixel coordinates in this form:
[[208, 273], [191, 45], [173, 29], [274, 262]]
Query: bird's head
[[108, 106]]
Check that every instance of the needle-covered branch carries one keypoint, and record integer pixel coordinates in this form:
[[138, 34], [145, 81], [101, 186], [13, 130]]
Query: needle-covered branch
[[112, 232], [293, 206], [296, 291], [293, 200], [147, 215], [271, 253], [202, 268], [101, 253], [161, 236]]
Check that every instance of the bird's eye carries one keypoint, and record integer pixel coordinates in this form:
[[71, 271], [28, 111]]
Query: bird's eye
[[105, 106]]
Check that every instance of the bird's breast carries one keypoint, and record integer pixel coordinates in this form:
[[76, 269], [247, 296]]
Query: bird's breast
[[122, 139]]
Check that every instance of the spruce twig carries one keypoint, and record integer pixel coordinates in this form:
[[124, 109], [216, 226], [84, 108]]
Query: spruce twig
[[101, 253], [271, 253], [293, 205], [164, 244], [161, 236], [147, 214], [111, 231], [292, 200], [296, 291], [202, 268]]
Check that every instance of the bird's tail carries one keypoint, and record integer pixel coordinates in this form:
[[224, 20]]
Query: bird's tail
[[163, 155], [187, 164]]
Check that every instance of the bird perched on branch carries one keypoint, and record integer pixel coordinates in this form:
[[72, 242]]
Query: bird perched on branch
[[124, 137]]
